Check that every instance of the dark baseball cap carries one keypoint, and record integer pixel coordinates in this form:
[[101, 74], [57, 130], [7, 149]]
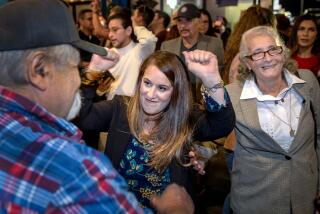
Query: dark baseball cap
[[27, 24], [188, 11]]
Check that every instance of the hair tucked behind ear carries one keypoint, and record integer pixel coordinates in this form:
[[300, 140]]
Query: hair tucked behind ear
[[172, 131]]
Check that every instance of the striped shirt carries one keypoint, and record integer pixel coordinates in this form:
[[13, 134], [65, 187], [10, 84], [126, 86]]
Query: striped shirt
[[44, 168]]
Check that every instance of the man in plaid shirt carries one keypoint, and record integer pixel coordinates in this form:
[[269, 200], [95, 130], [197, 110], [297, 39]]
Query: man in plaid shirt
[[43, 167]]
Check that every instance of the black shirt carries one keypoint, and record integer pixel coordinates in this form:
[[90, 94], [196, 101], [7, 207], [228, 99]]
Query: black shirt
[[84, 55]]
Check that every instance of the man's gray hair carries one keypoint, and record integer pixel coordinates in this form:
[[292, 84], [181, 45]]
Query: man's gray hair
[[14, 64]]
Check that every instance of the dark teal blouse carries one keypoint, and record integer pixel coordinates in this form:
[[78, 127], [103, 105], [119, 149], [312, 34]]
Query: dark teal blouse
[[143, 180]]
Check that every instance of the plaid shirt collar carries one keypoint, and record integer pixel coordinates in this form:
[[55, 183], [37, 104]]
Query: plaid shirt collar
[[11, 101]]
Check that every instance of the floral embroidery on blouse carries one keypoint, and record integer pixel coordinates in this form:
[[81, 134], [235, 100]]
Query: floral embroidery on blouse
[[143, 180]]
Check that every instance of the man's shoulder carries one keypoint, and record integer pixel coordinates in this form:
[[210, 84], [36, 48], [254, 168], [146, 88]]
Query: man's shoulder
[[59, 172], [210, 39], [171, 41], [59, 159], [172, 45]]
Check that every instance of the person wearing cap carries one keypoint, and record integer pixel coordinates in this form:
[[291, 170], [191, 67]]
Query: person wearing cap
[[86, 33], [191, 39], [44, 166], [133, 42]]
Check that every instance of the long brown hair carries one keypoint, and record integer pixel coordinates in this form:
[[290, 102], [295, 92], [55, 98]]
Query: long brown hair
[[293, 41], [172, 131], [252, 17]]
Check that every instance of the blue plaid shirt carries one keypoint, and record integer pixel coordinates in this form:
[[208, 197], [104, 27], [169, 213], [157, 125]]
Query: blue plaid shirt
[[44, 168]]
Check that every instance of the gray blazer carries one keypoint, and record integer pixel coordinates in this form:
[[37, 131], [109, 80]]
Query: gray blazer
[[266, 178], [207, 43]]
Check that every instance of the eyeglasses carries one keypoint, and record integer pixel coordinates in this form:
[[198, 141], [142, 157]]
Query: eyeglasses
[[272, 51]]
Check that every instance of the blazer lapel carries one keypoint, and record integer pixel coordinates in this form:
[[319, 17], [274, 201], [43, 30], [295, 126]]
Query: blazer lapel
[[303, 117], [249, 115], [177, 47], [202, 44]]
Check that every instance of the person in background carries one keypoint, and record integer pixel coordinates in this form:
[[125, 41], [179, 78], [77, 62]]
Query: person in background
[[305, 43], [159, 26], [45, 167], [86, 33], [221, 29], [226, 31], [123, 34], [143, 16], [191, 39], [99, 22], [173, 29], [277, 155], [151, 133], [85, 29], [283, 27], [205, 26], [133, 42]]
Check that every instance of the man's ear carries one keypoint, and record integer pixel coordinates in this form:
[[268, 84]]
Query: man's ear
[[129, 31], [38, 72]]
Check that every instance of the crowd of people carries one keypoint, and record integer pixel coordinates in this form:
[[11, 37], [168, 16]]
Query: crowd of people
[[168, 91]]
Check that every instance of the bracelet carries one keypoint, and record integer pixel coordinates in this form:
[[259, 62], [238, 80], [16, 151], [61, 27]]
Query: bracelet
[[214, 88]]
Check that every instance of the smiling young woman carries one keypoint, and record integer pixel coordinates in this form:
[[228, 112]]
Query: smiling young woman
[[150, 134], [305, 43]]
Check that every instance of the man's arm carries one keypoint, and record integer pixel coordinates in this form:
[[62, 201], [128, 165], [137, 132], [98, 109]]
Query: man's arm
[[99, 30], [94, 186], [147, 41], [174, 200]]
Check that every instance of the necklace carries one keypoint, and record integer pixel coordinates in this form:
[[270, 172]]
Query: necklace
[[285, 122]]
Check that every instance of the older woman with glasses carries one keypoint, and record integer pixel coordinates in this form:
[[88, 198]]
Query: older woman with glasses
[[276, 159]]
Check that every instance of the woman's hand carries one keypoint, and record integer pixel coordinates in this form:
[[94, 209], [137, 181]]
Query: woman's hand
[[197, 163], [204, 65]]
